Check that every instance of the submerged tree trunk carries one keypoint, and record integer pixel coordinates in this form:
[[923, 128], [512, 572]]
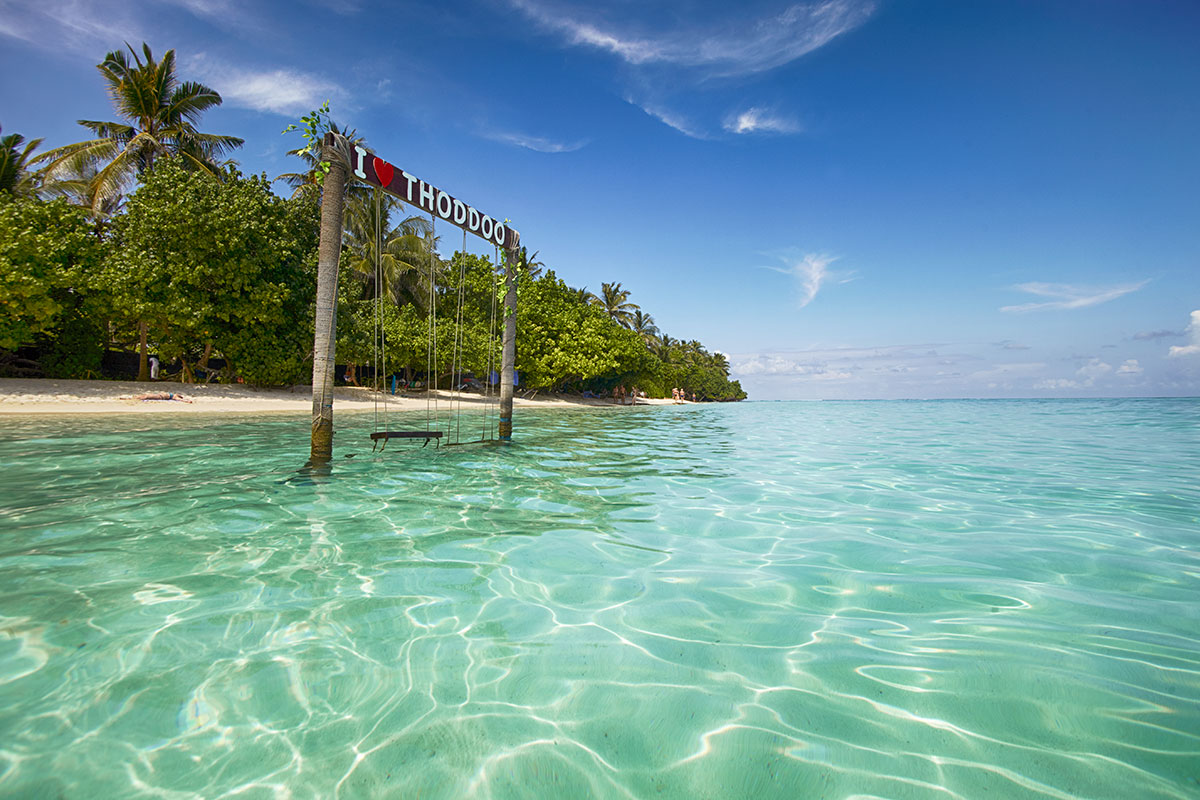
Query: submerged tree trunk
[[508, 353], [325, 329], [143, 352]]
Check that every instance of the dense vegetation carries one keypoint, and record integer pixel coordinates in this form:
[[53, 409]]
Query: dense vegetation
[[141, 237]]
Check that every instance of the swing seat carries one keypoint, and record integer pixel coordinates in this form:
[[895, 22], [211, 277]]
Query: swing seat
[[406, 435]]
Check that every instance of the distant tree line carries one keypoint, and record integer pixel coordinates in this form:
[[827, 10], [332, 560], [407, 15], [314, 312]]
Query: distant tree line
[[147, 238]]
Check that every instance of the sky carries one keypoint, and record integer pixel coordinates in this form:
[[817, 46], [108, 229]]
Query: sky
[[849, 198]]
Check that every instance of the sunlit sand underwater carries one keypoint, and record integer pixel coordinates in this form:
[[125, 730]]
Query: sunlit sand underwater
[[958, 599]]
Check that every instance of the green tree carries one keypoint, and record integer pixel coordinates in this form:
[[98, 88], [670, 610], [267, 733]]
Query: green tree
[[49, 253], [221, 262]]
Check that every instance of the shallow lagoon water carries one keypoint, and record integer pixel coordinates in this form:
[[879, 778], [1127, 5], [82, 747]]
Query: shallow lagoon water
[[955, 599]]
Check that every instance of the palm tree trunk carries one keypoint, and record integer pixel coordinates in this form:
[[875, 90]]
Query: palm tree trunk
[[325, 330], [508, 353], [143, 352]]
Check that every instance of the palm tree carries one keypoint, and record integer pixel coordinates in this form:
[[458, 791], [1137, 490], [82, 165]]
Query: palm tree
[[662, 346], [585, 296], [15, 175], [615, 302], [721, 362], [402, 251], [161, 113], [643, 324]]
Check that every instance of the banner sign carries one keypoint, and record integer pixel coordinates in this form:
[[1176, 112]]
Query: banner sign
[[368, 167]]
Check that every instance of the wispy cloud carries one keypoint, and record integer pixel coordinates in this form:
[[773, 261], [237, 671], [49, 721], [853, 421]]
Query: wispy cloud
[[77, 27], [728, 46], [1068, 296], [811, 272], [1130, 367], [536, 143], [1193, 332], [276, 91], [671, 119], [760, 120], [1009, 344]]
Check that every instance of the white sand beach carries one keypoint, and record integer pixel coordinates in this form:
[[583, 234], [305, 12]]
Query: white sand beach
[[48, 396]]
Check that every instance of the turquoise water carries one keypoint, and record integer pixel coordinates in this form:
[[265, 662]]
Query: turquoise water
[[765, 600]]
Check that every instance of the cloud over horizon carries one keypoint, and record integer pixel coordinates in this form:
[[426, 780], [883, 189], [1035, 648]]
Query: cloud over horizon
[[1193, 332]]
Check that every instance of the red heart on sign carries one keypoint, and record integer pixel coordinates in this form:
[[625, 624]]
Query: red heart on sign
[[383, 171]]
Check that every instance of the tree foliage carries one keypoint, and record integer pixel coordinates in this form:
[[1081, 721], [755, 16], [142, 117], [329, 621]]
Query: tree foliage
[[220, 261], [48, 254]]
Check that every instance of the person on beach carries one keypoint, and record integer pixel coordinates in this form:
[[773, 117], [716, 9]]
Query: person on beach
[[162, 396], [153, 368]]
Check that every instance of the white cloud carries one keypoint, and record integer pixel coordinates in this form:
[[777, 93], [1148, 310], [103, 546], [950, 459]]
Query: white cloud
[[760, 120], [1057, 383], [779, 364], [811, 273], [1193, 332], [1069, 296], [278, 91], [1093, 370], [1086, 376], [727, 46], [1005, 372], [537, 143]]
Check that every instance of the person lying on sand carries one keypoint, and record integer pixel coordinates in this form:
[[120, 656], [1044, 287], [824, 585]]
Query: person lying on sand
[[161, 396]]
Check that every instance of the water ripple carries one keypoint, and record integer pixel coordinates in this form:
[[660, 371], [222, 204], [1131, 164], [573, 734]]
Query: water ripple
[[858, 600]]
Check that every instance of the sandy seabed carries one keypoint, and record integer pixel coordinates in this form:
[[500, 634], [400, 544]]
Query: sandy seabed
[[48, 396]]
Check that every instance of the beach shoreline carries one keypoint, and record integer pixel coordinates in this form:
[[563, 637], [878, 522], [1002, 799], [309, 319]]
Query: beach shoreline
[[51, 396]]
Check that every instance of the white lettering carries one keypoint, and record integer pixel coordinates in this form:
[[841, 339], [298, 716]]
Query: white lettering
[[460, 212], [472, 219], [485, 227], [499, 233], [426, 196], [446, 213], [358, 170], [411, 180]]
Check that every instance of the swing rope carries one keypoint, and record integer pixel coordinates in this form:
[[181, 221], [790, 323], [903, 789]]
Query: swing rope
[[431, 344], [379, 353], [456, 368], [487, 411]]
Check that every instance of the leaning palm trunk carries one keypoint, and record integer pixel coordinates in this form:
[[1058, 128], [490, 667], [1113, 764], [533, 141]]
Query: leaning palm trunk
[[508, 352], [325, 333]]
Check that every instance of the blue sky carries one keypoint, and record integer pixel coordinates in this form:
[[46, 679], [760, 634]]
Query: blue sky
[[850, 199]]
